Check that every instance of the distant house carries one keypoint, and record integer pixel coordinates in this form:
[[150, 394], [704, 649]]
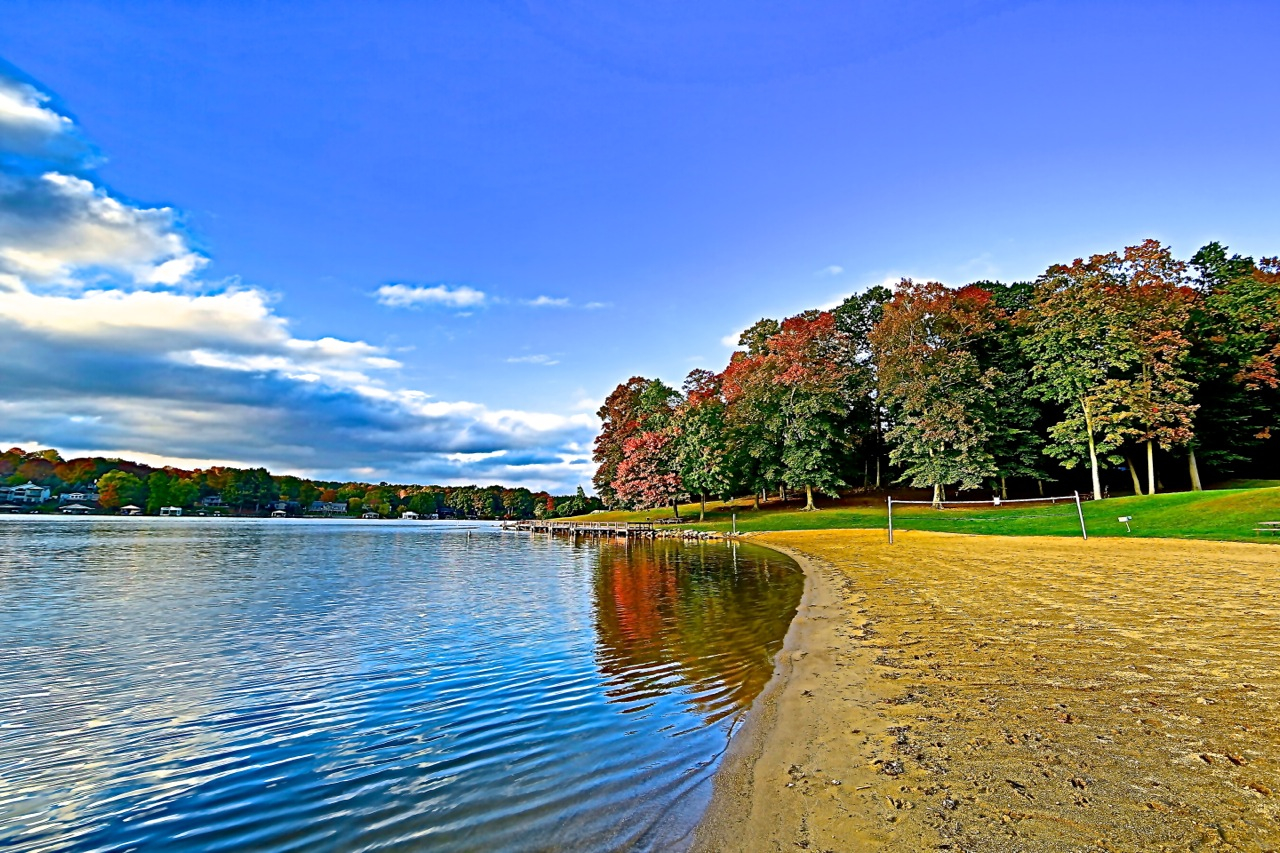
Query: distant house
[[78, 498], [171, 510], [212, 500], [328, 507], [410, 515], [75, 509], [27, 494], [131, 510], [287, 507], [370, 515]]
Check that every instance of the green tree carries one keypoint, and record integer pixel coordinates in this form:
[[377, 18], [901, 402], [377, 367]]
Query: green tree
[[158, 491], [703, 454], [1235, 355], [1076, 343], [856, 317]]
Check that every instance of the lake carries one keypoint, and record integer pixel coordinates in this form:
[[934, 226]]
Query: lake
[[211, 685]]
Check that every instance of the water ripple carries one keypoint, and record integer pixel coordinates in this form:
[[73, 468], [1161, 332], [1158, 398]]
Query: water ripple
[[223, 685]]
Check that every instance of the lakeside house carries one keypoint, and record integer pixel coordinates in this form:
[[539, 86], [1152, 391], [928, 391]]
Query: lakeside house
[[131, 510], [171, 510], [75, 509], [29, 493], [279, 513], [328, 507], [371, 515], [87, 497], [410, 515], [211, 501]]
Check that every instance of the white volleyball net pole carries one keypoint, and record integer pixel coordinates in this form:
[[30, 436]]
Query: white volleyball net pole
[[980, 512]]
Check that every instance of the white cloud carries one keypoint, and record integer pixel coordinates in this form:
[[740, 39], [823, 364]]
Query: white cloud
[[595, 306], [54, 226], [110, 343], [410, 296], [545, 360], [731, 340], [548, 302], [219, 376], [22, 108], [832, 270]]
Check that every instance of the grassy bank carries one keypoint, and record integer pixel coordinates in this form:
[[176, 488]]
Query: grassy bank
[[1226, 514]]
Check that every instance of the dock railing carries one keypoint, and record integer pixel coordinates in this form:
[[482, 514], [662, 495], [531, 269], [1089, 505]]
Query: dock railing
[[588, 528]]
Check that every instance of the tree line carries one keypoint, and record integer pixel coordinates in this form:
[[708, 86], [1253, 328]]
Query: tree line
[[120, 483], [1125, 369]]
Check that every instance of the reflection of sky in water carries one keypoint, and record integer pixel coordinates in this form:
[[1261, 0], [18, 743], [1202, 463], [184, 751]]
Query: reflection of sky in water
[[205, 685]]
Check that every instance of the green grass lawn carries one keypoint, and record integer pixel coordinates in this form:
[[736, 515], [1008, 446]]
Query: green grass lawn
[[1225, 514]]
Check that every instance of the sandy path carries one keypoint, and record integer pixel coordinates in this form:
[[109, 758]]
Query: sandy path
[[989, 694]]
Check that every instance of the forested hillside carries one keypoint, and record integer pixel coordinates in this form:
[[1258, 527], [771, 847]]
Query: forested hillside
[[114, 483]]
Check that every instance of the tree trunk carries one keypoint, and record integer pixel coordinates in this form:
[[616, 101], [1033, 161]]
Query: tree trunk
[[755, 500], [1195, 472], [877, 470], [866, 473], [675, 508], [1133, 472], [1151, 467], [702, 506], [1093, 453], [1004, 489], [1040, 486], [808, 497], [937, 496], [782, 492]]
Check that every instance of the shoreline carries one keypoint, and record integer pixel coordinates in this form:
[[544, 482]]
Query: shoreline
[[740, 816], [974, 693]]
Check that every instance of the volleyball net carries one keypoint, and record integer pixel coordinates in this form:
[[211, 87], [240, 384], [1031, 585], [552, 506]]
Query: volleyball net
[[1048, 514]]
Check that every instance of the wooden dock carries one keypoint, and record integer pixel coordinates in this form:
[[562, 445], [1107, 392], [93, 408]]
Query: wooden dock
[[620, 529]]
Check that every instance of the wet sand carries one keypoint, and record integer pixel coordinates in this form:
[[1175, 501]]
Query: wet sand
[[1014, 694]]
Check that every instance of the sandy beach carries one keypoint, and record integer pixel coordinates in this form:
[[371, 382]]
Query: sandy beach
[[1021, 694]]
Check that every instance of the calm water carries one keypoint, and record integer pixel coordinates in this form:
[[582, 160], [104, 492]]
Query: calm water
[[173, 684]]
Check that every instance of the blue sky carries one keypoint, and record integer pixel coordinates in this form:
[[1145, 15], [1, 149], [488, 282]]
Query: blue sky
[[421, 241]]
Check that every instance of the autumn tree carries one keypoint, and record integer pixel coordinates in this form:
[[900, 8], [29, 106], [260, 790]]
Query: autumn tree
[[1155, 306], [121, 488], [633, 407], [787, 399], [940, 395], [646, 476]]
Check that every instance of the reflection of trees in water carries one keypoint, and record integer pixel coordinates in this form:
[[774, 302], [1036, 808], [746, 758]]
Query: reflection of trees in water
[[706, 617]]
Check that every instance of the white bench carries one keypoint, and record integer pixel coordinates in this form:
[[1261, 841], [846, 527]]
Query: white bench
[[1267, 527]]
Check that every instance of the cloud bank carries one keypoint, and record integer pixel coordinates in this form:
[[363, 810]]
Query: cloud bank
[[111, 343]]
